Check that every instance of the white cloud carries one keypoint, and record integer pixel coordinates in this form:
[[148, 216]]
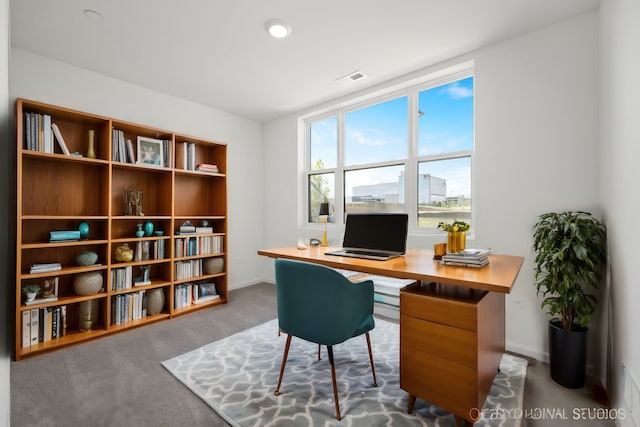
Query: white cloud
[[456, 91]]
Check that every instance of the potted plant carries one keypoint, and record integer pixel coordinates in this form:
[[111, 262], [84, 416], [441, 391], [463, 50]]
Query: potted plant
[[456, 235], [31, 291], [570, 251]]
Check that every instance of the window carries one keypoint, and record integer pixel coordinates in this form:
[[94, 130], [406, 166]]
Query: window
[[411, 151]]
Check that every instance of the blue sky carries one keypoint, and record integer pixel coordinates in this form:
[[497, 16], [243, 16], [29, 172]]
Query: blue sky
[[380, 133]]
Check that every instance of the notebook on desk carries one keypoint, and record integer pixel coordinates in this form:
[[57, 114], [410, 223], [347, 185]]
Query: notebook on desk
[[376, 236]]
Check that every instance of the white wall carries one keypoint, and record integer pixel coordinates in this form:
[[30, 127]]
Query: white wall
[[6, 183], [620, 151], [536, 136], [42, 79]]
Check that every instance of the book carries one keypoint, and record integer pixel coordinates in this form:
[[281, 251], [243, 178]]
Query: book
[[47, 140], [60, 139], [63, 319], [26, 328], [200, 229], [468, 257], [131, 158], [43, 268], [473, 264], [55, 236], [464, 259], [34, 325], [474, 253], [207, 167]]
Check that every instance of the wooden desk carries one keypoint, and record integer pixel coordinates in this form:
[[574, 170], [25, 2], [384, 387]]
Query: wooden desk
[[451, 331]]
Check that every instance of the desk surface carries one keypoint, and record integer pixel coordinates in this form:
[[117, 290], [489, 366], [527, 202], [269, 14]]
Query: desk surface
[[418, 264]]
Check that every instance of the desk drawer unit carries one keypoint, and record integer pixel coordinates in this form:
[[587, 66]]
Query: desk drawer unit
[[451, 343]]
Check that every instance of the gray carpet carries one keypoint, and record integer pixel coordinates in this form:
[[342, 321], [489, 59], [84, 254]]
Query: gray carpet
[[237, 375]]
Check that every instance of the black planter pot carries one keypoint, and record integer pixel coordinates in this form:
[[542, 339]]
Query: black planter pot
[[567, 354]]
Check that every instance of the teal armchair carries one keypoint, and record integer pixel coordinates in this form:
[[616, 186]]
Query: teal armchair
[[319, 305]]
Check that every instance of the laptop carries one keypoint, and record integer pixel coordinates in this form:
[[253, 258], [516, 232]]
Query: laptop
[[376, 236]]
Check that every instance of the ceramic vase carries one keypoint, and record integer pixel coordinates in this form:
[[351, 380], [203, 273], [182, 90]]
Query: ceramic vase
[[87, 283], [86, 258], [148, 228], [213, 265], [456, 241], [155, 301], [140, 231], [87, 314], [91, 149], [83, 228]]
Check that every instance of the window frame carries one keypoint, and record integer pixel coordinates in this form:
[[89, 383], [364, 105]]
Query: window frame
[[411, 163]]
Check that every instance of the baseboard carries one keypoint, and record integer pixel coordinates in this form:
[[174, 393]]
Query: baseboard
[[543, 356], [527, 351], [249, 283]]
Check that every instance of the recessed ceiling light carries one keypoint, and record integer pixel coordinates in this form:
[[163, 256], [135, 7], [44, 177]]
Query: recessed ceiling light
[[93, 15], [277, 28]]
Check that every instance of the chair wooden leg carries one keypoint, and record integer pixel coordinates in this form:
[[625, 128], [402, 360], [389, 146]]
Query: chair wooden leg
[[333, 378], [284, 362], [373, 369], [319, 351]]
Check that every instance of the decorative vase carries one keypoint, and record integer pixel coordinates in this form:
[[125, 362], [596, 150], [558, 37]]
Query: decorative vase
[[155, 301], [86, 258], [213, 265], [31, 296], [83, 228], [148, 228], [87, 314], [91, 149], [140, 231], [456, 241], [87, 283], [124, 253]]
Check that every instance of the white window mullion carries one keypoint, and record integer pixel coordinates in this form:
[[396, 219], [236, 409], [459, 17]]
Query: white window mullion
[[339, 178]]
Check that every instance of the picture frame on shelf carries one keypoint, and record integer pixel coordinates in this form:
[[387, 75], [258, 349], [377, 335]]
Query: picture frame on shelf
[[150, 151]]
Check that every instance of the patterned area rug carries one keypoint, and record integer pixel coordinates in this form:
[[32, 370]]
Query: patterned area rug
[[237, 376]]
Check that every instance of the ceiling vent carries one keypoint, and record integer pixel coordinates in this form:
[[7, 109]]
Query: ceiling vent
[[351, 78]]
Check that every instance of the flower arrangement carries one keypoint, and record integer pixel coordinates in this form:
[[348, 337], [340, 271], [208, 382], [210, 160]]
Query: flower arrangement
[[454, 226]]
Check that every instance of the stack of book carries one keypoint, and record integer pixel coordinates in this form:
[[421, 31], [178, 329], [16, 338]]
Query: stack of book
[[207, 167], [43, 268], [468, 258]]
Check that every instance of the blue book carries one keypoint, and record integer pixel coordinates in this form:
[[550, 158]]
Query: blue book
[[64, 235]]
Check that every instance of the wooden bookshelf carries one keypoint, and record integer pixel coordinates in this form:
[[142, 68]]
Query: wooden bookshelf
[[58, 192]]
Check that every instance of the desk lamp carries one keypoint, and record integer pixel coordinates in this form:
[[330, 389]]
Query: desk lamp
[[323, 217]]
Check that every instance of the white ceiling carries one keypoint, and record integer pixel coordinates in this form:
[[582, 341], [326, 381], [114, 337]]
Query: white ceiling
[[217, 52]]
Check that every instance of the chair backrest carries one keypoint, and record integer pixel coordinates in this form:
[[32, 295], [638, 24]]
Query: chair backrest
[[318, 304]]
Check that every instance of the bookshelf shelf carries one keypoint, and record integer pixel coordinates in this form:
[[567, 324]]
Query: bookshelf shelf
[[59, 188]]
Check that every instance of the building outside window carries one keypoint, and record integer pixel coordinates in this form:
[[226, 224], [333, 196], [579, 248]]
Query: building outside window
[[411, 151]]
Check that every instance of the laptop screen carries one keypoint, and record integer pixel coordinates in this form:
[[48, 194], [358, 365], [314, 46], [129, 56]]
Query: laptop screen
[[382, 231]]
